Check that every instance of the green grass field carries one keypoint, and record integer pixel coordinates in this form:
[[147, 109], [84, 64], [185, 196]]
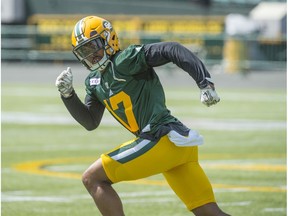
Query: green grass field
[[44, 152]]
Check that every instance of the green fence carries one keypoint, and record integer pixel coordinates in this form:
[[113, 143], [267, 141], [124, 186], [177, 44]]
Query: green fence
[[237, 54]]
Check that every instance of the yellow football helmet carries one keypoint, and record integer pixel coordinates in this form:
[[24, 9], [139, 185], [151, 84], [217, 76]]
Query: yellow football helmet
[[94, 41]]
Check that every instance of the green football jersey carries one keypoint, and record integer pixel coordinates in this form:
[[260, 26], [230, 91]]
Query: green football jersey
[[131, 91]]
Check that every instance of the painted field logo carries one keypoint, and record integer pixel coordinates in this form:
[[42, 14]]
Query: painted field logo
[[43, 167]]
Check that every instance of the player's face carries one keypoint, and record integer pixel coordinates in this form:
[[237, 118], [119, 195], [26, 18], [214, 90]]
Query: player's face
[[95, 57], [91, 52], [91, 48]]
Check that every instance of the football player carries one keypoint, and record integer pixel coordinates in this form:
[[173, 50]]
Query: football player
[[125, 83]]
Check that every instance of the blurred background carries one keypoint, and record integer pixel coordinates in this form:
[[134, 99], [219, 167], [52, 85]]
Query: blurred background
[[231, 36], [44, 151]]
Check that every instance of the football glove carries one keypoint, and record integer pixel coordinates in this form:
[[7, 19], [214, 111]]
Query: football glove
[[208, 96], [64, 83]]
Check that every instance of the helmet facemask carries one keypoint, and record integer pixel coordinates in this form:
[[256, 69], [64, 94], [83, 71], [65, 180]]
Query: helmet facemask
[[92, 53]]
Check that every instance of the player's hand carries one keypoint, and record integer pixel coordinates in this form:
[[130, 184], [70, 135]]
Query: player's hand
[[64, 83], [208, 96]]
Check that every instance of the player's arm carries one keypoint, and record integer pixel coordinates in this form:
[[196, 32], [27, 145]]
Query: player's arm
[[161, 53], [158, 54], [88, 114]]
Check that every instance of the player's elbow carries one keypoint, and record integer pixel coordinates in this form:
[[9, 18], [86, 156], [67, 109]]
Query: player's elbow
[[91, 126]]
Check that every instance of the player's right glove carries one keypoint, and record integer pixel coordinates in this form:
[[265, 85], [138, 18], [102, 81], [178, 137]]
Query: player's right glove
[[208, 96], [64, 83]]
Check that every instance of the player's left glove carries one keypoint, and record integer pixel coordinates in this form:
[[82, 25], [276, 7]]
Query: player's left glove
[[208, 96]]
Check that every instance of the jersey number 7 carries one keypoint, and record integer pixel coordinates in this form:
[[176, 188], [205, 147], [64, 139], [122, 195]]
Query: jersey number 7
[[124, 98]]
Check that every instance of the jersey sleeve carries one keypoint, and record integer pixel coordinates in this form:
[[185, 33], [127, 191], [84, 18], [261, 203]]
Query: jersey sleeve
[[131, 60], [158, 54]]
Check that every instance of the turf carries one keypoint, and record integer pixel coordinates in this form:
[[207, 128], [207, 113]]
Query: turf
[[44, 152]]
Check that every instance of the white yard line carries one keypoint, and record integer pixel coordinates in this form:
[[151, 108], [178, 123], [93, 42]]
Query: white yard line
[[18, 198], [242, 203], [147, 196], [175, 94], [127, 197], [274, 210], [229, 96], [209, 124]]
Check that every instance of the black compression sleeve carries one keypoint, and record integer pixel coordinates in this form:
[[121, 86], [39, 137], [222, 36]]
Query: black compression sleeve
[[89, 115], [161, 53]]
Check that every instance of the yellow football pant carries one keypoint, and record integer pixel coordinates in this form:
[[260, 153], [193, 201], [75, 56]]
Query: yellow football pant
[[140, 158]]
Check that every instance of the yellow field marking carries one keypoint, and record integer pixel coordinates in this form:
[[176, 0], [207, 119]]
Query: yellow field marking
[[241, 156], [38, 167], [218, 186], [250, 188], [247, 167]]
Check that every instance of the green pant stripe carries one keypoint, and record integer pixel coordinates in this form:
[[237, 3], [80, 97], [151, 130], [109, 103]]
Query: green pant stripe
[[132, 151]]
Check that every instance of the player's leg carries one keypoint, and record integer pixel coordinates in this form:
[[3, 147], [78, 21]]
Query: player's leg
[[140, 158], [122, 163], [99, 187], [192, 186], [137, 159], [209, 209]]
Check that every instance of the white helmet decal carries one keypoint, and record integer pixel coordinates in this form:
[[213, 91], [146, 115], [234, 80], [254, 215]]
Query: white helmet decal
[[78, 31], [107, 25]]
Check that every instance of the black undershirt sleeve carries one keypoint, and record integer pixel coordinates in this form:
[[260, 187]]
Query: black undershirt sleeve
[[158, 54], [89, 115]]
